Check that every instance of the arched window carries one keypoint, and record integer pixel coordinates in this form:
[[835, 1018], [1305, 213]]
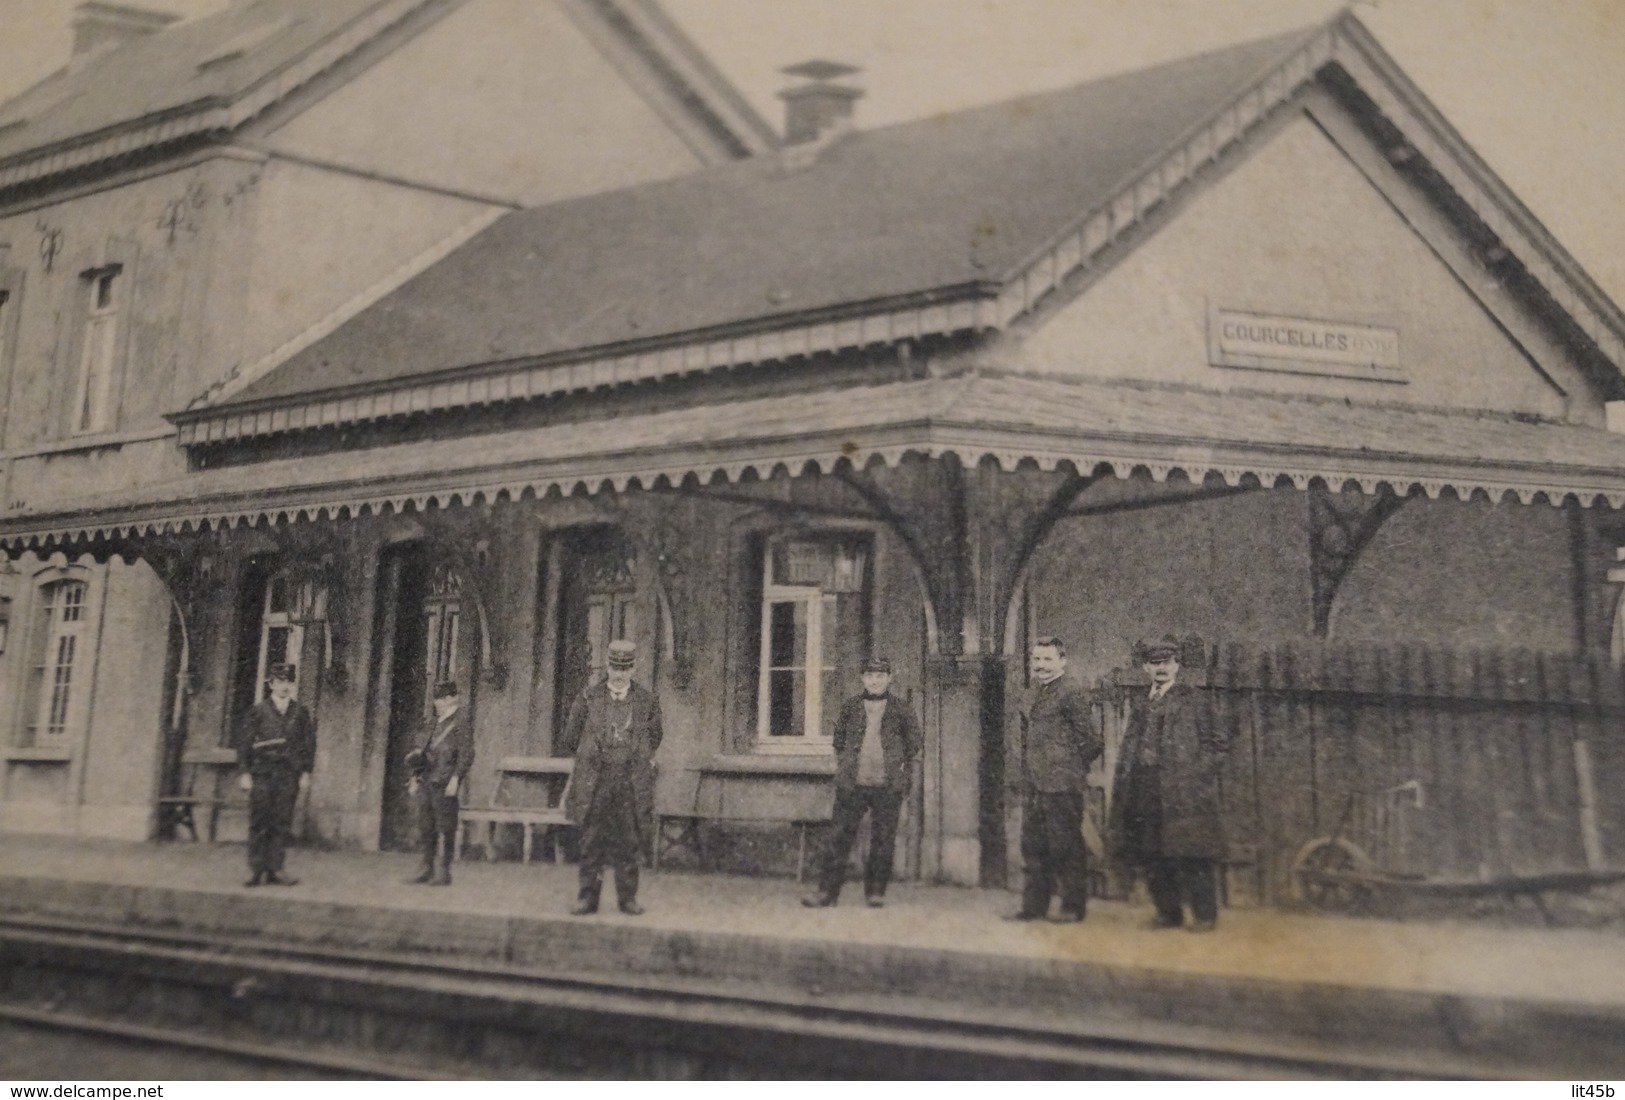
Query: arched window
[[59, 652]]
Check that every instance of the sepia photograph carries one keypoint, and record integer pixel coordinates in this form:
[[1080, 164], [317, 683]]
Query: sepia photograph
[[812, 540]]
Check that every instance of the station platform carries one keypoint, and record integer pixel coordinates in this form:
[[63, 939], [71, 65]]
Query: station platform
[[1454, 997]]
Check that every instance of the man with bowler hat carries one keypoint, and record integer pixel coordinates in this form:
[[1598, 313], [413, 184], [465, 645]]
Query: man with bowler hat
[[1165, 796], [615, 725], [440, 765], [876, 741], [1059, 743], [276, 749]]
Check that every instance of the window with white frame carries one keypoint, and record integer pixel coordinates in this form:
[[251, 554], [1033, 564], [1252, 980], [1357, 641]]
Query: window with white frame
[[289, 605], [814, 633], [59, 651], [93, 395]]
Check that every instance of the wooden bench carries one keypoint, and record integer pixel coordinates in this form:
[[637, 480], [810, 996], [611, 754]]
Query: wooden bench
[[179, 811], [685, 829], [529, 818]]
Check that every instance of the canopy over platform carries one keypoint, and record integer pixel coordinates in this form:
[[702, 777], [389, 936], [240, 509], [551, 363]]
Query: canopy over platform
[[1128, 427]]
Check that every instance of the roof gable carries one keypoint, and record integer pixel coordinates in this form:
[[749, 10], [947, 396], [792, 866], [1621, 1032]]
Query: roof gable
[[1300, 270], [216, 73], [963, 222]]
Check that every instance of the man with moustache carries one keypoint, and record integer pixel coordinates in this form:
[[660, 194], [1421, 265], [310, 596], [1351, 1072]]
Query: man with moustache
[[1059, 743], [616, 726], [1165, 819]]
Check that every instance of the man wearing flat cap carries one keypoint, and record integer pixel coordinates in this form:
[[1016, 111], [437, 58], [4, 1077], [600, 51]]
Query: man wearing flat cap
[[876, 741], [1165, 796], [276, 749], [1059, 742], [616, 727], [439, 766]]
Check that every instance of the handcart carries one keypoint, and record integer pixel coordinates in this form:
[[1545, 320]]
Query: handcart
[[1337, 874]]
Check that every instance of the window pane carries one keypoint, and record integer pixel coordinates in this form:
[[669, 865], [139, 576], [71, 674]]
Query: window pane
[[276, 646], [276, 598], [787, 703], [56, 723], [787, 634]]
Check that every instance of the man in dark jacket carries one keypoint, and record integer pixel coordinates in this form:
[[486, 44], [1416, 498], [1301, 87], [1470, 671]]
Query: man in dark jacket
[[1165, 795], [440, 765], [1059, 743], [276, 749], [616, 727], [876, 741]]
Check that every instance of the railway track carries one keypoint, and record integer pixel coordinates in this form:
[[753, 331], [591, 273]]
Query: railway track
[[415, 1016]]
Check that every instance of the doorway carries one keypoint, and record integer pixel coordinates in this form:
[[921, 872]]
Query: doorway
[[428, 622], [597, 605]]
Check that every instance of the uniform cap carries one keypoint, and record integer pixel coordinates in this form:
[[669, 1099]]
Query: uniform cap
[[446, 689], [283, 672], [1149, 652], [877, 664], [622, 654]]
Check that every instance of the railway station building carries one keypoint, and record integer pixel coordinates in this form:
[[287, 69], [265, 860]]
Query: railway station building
[[186, 202], [1250, 347]]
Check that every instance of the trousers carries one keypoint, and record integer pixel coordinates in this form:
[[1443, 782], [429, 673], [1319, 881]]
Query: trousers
[[884, 806], [1175, 883], [1052, 849], [271, 803], [437, 816]]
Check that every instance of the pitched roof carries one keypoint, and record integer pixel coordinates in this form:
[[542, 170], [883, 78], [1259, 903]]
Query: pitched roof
[[193, 66], [219, 71], [1124, 425], [892, 214], [952, 224]]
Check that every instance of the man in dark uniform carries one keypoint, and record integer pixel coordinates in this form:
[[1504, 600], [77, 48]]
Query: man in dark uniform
[[276, 749], [876, 740], [1165, 795], [440, 766], [616, 727], [1059, 743]]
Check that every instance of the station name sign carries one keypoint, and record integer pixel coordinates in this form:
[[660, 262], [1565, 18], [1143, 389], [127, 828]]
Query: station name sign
[[1301, 345]]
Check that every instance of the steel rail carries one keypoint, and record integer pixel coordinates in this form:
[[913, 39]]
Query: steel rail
[[877, 1030]]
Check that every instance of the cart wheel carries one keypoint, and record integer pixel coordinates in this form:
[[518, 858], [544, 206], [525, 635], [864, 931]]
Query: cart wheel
[[1316, 870]]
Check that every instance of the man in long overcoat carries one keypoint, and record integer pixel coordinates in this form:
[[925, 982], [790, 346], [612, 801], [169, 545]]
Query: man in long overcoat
[[616, 726], [1165, 816], [1059, 743], [876, 740], [440, 765], [276, 749]]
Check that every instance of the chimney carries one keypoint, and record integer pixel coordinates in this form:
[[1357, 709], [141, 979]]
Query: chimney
[[820, 109], [99, 26]]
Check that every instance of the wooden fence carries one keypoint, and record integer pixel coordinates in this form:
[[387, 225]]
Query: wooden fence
[[1440, 763]]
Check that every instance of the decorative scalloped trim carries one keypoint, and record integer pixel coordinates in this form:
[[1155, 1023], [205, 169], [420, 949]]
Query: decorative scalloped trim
[[476, 492]]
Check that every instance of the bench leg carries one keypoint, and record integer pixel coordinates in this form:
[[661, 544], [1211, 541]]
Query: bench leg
[[527, 834], [801, 849]]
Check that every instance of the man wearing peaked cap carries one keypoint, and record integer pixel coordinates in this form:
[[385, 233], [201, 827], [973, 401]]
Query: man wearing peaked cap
[[276, 749], [1165, 796], [616, 727], [439, 767], [876, 741]]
